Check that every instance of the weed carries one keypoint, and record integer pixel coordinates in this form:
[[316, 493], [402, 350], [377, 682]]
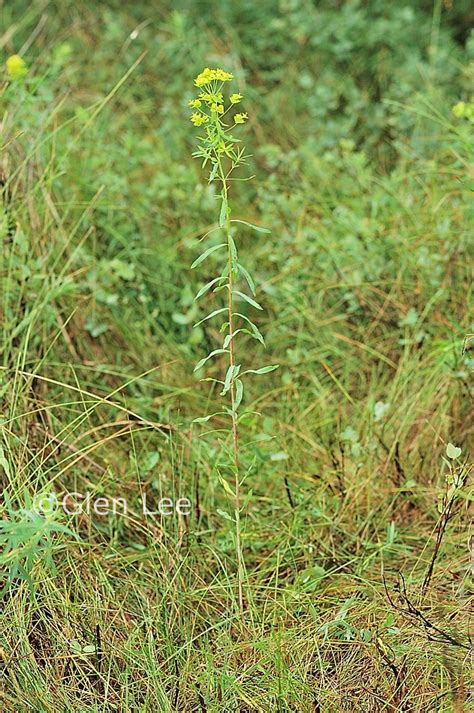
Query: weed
[[222, 152]]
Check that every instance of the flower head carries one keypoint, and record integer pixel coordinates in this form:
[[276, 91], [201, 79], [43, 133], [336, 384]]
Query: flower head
[[464, 110], [459, 109], [222, 76], [212, 75], [211, 104], [199, 119], [16, 67]]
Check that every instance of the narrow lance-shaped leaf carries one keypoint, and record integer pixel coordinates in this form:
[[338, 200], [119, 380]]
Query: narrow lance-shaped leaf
[[201, 362], [210, 316], [242, 330], [248, 278], [206, 254], [213, 172], [205, 419], [231, 373], [225, 515], [223, 213], [262, 370], [258, 228], [233, 250], [206, 287], [248, 299], [239, 392], [226, 486], [254, 328]]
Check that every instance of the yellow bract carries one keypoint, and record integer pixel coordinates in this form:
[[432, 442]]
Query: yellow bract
[[16, 67], [209, 98], [199, 119], [212, 75], [240, 118], [235, 98], [195, 103]]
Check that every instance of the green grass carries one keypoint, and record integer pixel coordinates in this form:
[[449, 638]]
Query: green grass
[[364, 177]]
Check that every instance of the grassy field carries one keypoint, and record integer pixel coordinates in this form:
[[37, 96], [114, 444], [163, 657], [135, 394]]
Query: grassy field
[[353, 459]]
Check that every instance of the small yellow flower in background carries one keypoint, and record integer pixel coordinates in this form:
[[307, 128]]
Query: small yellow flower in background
[[16, 67], [235, 98], [195, 103], [212, 75], [199, 119], [240, 118], [463, 110], [458, 109]]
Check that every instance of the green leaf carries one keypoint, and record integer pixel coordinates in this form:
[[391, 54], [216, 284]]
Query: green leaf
[[256, 335], [223, 213], [213, 172], [207, 287], [227, 380], [4, 463], [225, 515], [233, 250], [248, 278], [205, 419], [452, 451], [255, 330], [246, 500], [239, 392], [210, 316], [206, 254], [232, 372], [201, 362], [226, 486], [262, 370], [258, 228], [248, 299]]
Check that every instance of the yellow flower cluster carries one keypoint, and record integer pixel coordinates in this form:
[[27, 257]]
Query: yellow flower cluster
[[463, 110], [199, 119], [211, 100], [212, 75], [16, 67]]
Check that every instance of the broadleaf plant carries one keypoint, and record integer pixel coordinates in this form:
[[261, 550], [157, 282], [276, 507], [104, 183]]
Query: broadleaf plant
[[222, 153]]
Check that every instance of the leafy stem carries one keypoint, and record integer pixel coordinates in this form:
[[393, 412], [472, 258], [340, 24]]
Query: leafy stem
[[219, 148], [232, 389]]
